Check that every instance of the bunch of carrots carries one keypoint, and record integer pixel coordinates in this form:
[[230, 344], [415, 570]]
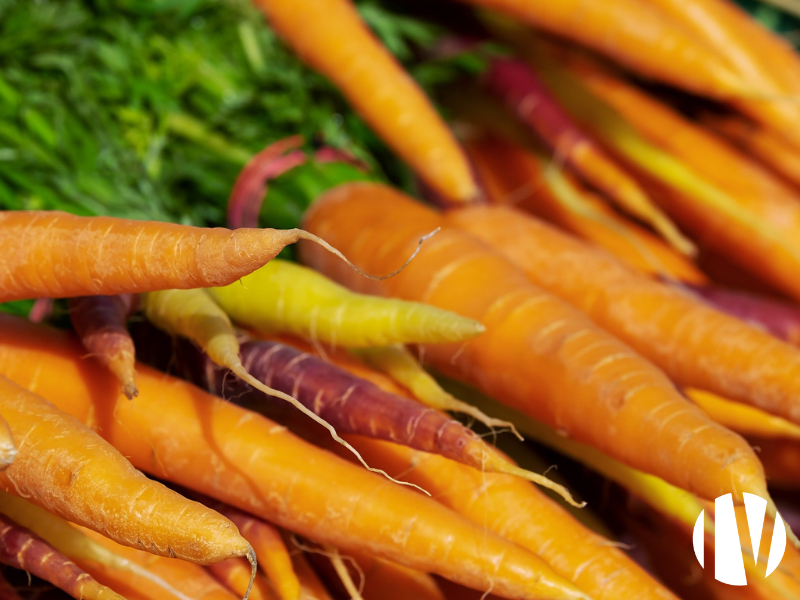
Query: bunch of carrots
[[600, 274]]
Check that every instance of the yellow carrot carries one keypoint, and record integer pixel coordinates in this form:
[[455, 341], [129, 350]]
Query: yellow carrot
[[399, 364], [742, 418], [284, 297]]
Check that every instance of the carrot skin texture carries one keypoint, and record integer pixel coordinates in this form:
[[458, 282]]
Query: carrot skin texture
[[22, 549], [695, 344], [67, 468], [245, 460], [537, 350], [330, 36], [519, 512], [289, 298], [100, 323], [58, 255]]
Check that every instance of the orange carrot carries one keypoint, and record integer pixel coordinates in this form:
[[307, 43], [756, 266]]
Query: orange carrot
[[330, 36], [759, 142], [100, 323], [185, 581], [22, 549], [527, 96], [273, 557], [243, 459], [234, 574], [513, 175], [68, 469], [636, 34], [311, 588], [665, 324], [537, 350], [520, 513], [55, 254]]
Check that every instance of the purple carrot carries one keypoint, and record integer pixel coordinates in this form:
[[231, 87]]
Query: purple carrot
[[21, 549], [781, 319], [526, 95], [247, 195], [100, 324], [348, 403]]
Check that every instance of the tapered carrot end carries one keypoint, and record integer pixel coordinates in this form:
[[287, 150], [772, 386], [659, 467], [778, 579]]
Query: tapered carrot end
[[498, 465]]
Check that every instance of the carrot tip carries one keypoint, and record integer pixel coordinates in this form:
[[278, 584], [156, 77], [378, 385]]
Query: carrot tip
[[251, 558], [130, 390]]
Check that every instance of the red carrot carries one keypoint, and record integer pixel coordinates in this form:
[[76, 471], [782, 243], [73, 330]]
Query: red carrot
[[780, 318], [100, 323], [525, 94], [22, 549]]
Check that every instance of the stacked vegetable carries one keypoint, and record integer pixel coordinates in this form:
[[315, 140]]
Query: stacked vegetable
[[609, 272]]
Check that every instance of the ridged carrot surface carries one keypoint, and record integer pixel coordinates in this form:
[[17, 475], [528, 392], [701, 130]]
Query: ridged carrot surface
[[516, 176], [67, 468], [695, 344], [56, 255], [330, 36], [175, 431], [538, 354], [519, 512]]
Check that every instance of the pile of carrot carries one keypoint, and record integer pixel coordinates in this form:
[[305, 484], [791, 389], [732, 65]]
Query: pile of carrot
[[604, 280]]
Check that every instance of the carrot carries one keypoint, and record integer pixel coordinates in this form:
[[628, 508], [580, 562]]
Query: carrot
[[537, 350], [513, 175], [636, 34], [399, 364], [68, 469], [247, 195], [289, 298], [273, 557], [517, 511], [527, 96], [245, 460], [73, 543], [100, 323], [741, 418], [310, 585], [331, 38], [194, 315], [184, 580], [8, 449], [22, 549], [352, 405], [234, 574], [58, 255], [758, 142], [669, 327], [6, 591], [780, 318]]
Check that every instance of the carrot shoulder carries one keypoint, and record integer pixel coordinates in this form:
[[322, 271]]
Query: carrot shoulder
[[537, 350], [330, 36], [68, 469], [58, 255], [248, 461], [696, 345]]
